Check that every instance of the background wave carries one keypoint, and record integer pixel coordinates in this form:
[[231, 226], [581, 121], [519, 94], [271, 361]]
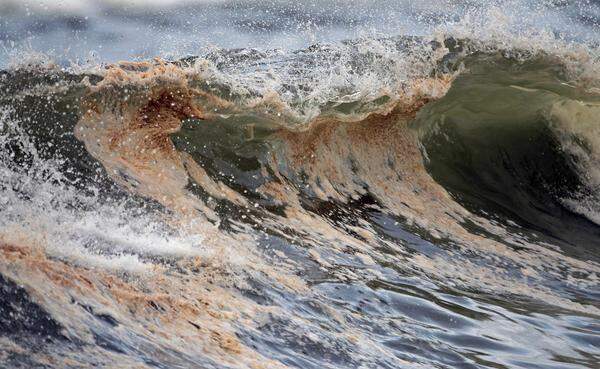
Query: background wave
[[90, 32]]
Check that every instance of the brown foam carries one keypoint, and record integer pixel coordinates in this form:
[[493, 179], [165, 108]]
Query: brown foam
[[130, 137], [191, 309]]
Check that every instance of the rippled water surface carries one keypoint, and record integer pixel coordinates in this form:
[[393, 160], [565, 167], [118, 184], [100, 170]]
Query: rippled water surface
[[317, 184]]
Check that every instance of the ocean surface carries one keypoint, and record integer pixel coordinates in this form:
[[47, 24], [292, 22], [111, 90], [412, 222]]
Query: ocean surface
[[300, 184]]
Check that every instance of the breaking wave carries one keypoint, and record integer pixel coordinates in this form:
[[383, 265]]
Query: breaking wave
[[429, 202]]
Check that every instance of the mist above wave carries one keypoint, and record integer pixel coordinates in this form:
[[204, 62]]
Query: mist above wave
[[106, 31]]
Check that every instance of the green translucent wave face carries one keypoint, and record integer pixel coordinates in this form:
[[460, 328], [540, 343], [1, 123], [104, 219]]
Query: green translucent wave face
[[493, 143]]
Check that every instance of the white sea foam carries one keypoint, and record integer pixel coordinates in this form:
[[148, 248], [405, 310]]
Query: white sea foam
[[577, 126], [40, 208]]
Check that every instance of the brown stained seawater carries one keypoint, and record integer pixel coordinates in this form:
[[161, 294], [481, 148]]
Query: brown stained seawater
[[155, 217]]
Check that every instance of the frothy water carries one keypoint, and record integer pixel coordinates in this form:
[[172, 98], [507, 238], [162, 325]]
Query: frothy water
[[92, 31], [259, 187]]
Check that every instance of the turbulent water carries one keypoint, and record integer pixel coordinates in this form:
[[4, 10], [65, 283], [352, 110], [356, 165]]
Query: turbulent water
[[395, 201]]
